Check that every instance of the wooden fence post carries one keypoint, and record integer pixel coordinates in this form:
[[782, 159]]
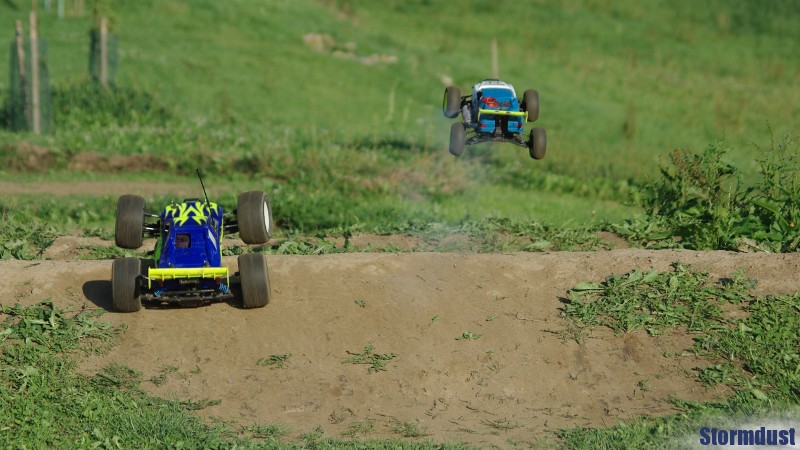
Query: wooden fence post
[[103, 52], [36, 110], [23, 91]]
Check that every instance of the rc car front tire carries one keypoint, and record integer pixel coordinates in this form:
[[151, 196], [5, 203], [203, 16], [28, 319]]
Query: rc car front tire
[[538, 143], [457, 139], [254, 215], [129, 226], [125, 295], [254, 278], [530, 103], [451, 104]]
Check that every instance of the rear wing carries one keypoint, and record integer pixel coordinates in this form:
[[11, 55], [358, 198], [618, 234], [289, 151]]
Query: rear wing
[[186, 273]]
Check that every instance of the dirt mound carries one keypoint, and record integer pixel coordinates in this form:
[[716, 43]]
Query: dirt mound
[[98, 162], [519, 379], [27, 157], [91, 188]]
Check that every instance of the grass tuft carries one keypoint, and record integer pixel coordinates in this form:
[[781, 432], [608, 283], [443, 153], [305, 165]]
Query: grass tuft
[[376, 361], [751, 342]]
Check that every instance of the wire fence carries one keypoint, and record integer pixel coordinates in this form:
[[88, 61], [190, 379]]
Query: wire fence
[[29, 106]]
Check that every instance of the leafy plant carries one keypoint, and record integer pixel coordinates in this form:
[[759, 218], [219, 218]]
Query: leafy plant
[[376, 361], [195, 405], [266, 431], [760, 353], [275, 361], [23, 237], [99, 232], [468, 336], [775, 201], [360, 427], [105, 252], [409, 429], [161, 378], [701, 203], [696, 200], [655, 301]]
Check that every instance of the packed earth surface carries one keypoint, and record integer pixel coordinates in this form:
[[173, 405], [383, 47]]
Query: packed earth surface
[[474, 347]]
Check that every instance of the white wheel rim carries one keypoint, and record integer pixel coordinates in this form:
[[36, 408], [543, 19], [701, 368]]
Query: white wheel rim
[[267, 222]]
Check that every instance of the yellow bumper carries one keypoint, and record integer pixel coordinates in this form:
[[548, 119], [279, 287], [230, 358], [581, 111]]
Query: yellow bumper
[[194, 272], [498, 112]]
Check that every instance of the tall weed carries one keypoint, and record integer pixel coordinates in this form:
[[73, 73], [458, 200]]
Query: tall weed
[[701, 203], [774, 204]]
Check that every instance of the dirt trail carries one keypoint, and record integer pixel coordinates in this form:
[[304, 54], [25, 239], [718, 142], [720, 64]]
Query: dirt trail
[[520, 380]]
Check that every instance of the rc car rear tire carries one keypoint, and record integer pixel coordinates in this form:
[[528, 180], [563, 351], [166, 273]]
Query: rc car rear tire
[[530, 103], [538, 143], [451, 104], [129, 226], [457, 139], [254, 215], [254, 278], [125, 292]]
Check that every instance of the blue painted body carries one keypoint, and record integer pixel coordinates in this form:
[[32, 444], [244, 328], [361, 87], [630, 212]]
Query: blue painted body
[[191, 233], [504, 100]]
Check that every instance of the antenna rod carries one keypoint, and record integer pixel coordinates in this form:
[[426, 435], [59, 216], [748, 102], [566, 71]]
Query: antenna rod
[[202, 185]]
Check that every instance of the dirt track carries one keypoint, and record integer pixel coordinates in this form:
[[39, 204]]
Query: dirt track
[[520, 380]]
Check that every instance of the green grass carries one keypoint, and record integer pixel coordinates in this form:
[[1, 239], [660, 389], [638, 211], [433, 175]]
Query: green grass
[[47, 403], [750, 342], [23, 236], [655, 301]]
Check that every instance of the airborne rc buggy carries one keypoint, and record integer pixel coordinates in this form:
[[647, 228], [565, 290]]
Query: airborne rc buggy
[[493, 113]]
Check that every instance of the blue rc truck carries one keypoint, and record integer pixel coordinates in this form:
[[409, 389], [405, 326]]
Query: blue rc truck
[[493, 113], [186, 266]]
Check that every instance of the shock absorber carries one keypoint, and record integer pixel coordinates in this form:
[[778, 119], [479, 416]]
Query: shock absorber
[[466, 113]]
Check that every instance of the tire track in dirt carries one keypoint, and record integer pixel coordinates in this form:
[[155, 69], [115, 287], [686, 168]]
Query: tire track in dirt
[[520, 380]]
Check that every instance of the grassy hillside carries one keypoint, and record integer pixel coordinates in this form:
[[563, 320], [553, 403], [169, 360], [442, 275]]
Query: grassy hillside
[[621, 83], [338, 102]]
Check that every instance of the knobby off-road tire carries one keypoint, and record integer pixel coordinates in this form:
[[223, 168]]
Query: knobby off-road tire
[[125, 292], [451, 104], [254, 278], [530, 103], [129, 226], [254, 215], [538, 143], [457, 139]]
